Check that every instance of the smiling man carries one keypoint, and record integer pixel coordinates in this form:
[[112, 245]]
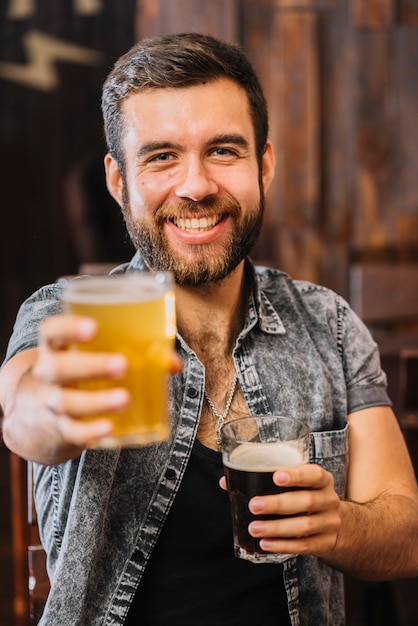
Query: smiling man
[[143, 536], [192, 204]]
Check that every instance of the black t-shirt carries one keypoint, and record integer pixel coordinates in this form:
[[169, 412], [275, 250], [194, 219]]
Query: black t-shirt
[[193, 577]]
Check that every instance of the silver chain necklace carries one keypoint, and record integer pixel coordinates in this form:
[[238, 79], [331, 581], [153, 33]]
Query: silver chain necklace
[[221, 417]]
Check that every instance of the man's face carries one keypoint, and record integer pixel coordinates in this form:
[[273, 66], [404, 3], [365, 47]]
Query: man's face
[[191, 192]]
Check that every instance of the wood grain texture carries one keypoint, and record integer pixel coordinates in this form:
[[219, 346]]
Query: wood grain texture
[[161, 17], [373, 13]]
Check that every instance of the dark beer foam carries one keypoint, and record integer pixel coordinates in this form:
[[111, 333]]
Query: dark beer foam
[[264, 457]]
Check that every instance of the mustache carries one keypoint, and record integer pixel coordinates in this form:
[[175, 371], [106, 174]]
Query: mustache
[[186, 208]]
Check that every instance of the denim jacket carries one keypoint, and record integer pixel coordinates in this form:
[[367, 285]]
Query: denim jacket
[[302, 352]]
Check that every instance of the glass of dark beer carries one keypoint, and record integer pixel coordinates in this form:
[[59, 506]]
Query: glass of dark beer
[[253, 448]]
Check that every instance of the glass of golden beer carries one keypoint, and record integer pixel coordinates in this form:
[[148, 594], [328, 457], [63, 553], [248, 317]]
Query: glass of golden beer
[[253, 448], [136, 317]]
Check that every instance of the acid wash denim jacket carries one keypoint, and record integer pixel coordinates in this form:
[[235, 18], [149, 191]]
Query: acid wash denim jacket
[[302, 352]]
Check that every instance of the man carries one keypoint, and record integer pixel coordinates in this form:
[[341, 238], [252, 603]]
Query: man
[[142, 536]]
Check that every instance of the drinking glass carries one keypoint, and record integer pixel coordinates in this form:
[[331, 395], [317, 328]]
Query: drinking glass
[[136, 317], [253, 448]]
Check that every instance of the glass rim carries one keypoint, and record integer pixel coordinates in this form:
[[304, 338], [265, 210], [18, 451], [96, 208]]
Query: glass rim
[[80, 286], [258, 417]]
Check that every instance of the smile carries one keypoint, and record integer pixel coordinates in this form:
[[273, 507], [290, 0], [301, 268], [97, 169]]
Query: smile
[[196, 224]]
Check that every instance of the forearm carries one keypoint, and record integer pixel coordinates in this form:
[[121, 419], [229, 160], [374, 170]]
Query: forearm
[[378, 539]]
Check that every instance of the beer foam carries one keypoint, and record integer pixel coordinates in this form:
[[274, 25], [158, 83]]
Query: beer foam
[[113, 290], [264, 457]]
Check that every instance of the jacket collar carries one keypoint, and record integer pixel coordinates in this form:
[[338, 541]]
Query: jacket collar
[[260, 309]]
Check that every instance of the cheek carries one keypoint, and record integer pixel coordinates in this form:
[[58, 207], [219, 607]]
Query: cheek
[[146, 196], [245, 188]]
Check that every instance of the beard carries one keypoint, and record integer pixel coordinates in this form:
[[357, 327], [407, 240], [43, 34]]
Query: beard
[[203, 266]]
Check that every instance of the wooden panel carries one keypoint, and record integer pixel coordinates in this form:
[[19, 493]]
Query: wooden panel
[[295, 4], [6, 549], [406, 59], [373, 13], [160, 17], [385, 213], [336, 139], [39, 582], [257, 37], [377, 191], [384, 292], [21, 538], [294, 104], [408, 11], [306, 4]]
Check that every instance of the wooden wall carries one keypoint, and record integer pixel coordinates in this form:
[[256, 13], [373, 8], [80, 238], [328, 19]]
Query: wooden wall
[[341, 77]]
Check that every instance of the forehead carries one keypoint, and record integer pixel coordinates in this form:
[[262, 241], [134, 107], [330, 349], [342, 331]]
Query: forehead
[[193, 112]]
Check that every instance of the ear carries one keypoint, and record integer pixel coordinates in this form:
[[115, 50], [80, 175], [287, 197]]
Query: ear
[[114, 180], [268, 162]]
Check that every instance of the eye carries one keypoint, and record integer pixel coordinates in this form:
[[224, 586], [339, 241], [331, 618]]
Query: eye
[[224, 152], [162, 157]]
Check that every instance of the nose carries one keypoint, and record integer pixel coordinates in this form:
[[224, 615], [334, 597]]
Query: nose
[[196, 181]]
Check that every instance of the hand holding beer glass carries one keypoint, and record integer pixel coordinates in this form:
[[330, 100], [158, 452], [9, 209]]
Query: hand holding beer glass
[[253, 448], [136, 317]]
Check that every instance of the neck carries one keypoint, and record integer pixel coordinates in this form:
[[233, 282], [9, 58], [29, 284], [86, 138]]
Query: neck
[[213, 312]]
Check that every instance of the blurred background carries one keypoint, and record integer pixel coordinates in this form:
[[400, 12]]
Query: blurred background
[[341, 79]]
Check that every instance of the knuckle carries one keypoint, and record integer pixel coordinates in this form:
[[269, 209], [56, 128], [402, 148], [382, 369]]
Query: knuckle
[[310, 525], [310, 499], [45, 369], [304, 546]]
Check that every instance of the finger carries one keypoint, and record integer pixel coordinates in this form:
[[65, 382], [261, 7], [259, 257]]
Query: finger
[[53, 400], [80, 433], [60, 331], [286, 503], [297, 526], [314, 531], [309, 534], [308, 475], [175, 363], [76, 403], [318, 545], [170, 361], [72, 365], [296, 501], [222, 483]]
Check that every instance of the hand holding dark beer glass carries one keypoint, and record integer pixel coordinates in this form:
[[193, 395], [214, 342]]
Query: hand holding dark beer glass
[[253, 448]]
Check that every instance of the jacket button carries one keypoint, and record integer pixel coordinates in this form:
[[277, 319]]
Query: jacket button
[[170, 474], [192, 392]]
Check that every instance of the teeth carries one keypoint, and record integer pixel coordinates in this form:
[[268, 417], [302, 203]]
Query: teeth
[[196, 223]]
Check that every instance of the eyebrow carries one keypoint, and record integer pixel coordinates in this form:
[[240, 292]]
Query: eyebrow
[[234, 138], [162, 146], [155, 146]]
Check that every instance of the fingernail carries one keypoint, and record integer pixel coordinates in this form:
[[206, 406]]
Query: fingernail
[[104, 427], [256, 505], [116, 365], [118, 398], [86, 328], [281, 478], [256, 529]]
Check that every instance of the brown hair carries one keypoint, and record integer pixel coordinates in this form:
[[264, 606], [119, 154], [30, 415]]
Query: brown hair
[[177, 61]]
